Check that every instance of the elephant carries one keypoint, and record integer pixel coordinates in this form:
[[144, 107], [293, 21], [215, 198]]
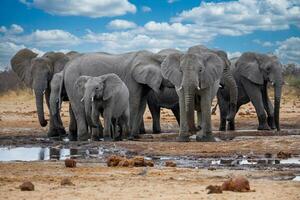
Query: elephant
[[252, 73], [196, 75], [58, 94], [166, 98], [109, 96], [36, 73], [140, 71]]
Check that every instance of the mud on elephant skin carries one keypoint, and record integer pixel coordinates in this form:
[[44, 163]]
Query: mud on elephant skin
[[253, 72], [196, 75], [37, 72]]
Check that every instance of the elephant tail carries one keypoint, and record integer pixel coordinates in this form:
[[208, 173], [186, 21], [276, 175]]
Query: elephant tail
[[61, 89]]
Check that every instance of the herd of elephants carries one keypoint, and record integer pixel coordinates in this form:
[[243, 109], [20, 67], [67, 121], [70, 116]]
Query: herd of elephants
[[119, 86]]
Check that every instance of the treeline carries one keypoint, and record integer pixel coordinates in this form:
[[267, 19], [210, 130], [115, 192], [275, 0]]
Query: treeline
[[9, 81]]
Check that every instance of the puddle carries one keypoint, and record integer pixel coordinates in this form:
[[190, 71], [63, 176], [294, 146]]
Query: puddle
[[100, 153], [49, 153], [297, 178]]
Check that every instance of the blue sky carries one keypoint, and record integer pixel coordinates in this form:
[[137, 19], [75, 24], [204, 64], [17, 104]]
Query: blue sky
[[116, 26]]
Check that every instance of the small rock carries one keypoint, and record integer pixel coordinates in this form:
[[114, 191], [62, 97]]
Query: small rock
[[170, 164], [70, 163], [27, 186], [283, 155], [236, 184], [214, 189], [66, 181]]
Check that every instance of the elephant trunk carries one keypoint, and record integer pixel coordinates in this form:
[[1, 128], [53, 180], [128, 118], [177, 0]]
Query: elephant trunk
[[189, 97], [40, 106], [277, 97], [88, 110], [233, 92]]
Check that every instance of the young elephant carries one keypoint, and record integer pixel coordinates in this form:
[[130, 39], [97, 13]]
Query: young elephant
[[106, 95]]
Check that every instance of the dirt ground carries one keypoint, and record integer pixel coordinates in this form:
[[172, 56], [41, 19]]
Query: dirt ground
[[19, 127]]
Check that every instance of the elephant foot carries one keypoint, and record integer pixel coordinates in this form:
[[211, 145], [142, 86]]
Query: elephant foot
[[95, 137], [56, 132], [134, 137], [119, 138], [156, 131], [206, 138], [263, 127], [222, 128], [84, 137], [142, 131], [182, 138], [72, 137], [231, 126], [271, 123], [107, 139], [232, 112]]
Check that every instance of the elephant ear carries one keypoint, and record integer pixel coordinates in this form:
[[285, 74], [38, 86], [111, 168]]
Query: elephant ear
[[58, 60], [21, 65], [112, 85], [79, 84], [248, 66], [170, 69], [148, 74], [213, 70]]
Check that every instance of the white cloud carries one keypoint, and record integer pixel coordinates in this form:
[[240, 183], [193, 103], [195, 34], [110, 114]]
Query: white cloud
[[234, 54], [263, 43], [146, 9], [172, 1], [89, 8], [243, 16], [8, 49], [121, 24], [49, 38], [13, 29], [289, 50]]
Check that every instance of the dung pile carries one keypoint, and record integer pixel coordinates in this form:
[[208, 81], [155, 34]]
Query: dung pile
[[137, 161]]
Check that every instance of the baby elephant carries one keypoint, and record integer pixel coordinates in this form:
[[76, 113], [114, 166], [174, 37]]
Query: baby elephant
[[109, 96]]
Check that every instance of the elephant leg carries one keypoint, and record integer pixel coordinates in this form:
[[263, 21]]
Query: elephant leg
[[184, 135], [137, 109], [155, 112], [82, 128], [72, 124], [107, 136], [54, 130], [255, 96], [176, 113], [206, 117], [223, 108], [142, 127], [199, 121], [269, 108]]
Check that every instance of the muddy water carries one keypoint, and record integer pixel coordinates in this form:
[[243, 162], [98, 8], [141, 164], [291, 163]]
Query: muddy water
[[99, 154]]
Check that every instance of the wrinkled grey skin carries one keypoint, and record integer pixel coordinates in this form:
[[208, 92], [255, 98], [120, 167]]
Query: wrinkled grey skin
[[253, 72], [36, 73], [196, 75], [58, 94], [166, 98], [140, 71], [109, 96]]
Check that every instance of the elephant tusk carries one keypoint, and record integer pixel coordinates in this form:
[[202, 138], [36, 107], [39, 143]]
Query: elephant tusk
[[44, 91], [198, 88], [92, 99], [180, 88], [220, 86], [82, 99]]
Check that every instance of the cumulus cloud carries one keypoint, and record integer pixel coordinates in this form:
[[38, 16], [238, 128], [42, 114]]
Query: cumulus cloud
[[89, 8], [8, 49], [146, 9], [121, 24], [234, 54], [13, 29], [263, 43], [289, 50], [243, 16]]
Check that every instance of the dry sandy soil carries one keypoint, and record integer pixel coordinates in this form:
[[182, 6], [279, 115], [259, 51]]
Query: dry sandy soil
[[19, 126]]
